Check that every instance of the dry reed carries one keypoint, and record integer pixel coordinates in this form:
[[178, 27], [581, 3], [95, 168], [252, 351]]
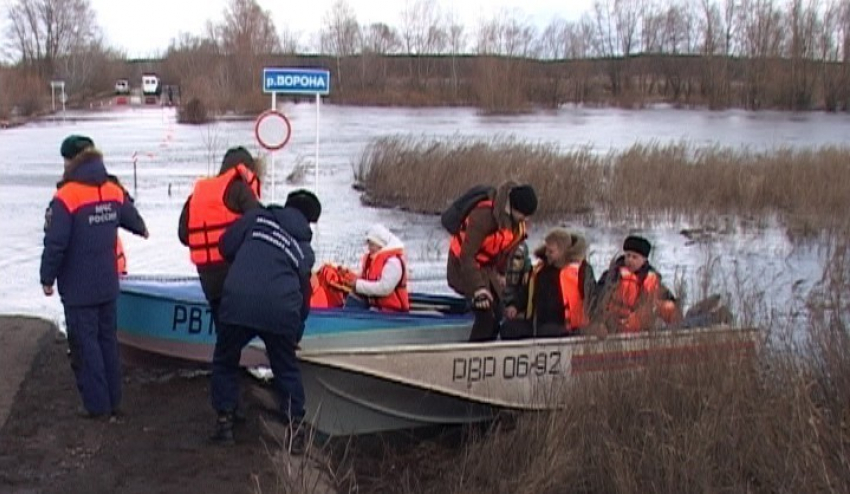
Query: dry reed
[[804, 188], [776, 421]]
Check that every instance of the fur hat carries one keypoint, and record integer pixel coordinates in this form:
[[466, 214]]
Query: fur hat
[[305, 201], [74, 145], [573, 246], [523, 199], [235, 156], [633, 243]]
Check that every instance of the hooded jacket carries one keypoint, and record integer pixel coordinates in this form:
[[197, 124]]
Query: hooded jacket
[[268, 285], [463, 273], [120, 256], [81, 230]]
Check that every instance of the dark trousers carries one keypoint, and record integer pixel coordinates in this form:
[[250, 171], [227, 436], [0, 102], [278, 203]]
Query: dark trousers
[[215, 305], [280, 348], [94, 356], [486, 325]]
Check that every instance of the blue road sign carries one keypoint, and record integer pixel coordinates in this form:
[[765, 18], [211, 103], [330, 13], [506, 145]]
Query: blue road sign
[[296, 81]]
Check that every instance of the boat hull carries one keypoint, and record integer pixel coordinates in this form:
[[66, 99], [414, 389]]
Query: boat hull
[[341, 403], [367, 389]]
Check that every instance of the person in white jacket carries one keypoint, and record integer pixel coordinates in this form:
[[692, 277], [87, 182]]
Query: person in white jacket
[[382, 283]]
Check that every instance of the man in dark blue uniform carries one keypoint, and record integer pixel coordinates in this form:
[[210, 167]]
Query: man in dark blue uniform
[[80, 235], [266, 294]]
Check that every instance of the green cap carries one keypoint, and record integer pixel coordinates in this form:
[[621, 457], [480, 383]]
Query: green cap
[[74, 145]]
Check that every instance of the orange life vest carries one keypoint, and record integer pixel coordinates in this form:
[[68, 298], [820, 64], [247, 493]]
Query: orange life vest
[[120, 258], [373, 266], [76, 195], [329, 289], [495, 244], [209, 216], [630, 292], [570, 282]]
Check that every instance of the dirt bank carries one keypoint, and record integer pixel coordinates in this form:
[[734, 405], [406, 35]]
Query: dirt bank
[[159, 446], [20, 340]]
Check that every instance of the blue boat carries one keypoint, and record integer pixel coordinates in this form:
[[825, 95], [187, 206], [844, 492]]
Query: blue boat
[[167, 317]]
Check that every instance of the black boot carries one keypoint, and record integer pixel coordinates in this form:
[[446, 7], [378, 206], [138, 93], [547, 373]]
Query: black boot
[[239, 416], [297, 440], [223, 430]]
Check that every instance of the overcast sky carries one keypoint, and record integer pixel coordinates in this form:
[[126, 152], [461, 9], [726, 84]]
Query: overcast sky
[[145, 27]]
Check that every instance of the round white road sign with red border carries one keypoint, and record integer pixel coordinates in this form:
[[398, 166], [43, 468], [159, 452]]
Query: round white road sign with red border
[[272, 130]]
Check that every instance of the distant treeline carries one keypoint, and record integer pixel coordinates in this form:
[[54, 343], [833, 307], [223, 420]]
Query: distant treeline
[[492, 83], [753, 54], [498, 84]]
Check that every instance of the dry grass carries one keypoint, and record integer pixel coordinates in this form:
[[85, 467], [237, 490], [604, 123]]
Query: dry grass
[[444, 169], [307, 473], [301, 169], [193, 112], [776, 422], [768, 425], [17, 98], [804, 188]]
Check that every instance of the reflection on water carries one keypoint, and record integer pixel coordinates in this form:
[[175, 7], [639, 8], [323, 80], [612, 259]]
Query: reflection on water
[[169, 157]]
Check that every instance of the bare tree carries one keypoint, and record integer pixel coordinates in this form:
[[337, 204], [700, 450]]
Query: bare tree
[[678, 29], [581, 49], [378, 41], [607, 42], [504, 43], [552, 46], [42, 31], [189, 62], [247, 30], [834, 46], [657, 27], [509, 34], [340, 35], [565, 40], [710, 23], [456, 45], [340, 31], [566, 45], [654, 29], [419, 20], [802, 24], [456, 37], [188, 54], [730, 34], [627, 16], [244, 37], [713, 74], [422, 34], [88, 68], [677, 36], [761, 39], [6, 48], [290, 41]]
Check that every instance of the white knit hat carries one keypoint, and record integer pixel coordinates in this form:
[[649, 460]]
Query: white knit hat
[[379, 234]]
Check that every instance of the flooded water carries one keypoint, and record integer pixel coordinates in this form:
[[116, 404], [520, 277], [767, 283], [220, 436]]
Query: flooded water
[[170, 157]]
